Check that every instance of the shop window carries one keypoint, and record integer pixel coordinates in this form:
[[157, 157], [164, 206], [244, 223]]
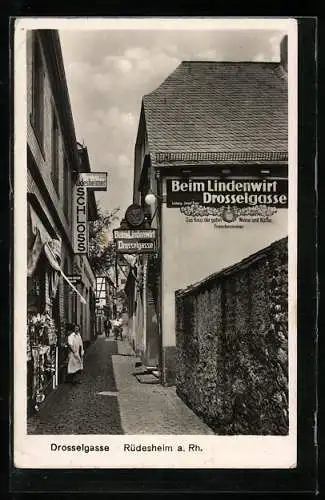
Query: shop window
[[37, 117], [55, 152]]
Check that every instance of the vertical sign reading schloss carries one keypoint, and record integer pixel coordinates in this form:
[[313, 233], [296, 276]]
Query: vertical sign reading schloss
[[80, 220]]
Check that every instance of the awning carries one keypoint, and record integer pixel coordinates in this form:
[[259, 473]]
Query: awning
[[51, 247], [83, 300], [36, 225], [52, 259], [38, 236]]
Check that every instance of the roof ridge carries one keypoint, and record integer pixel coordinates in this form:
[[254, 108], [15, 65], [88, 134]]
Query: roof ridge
[[164, 81], [224, 106], [276, 64], [228, 62]]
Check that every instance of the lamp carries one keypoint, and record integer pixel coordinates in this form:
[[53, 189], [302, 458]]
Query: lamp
[[150, 199]]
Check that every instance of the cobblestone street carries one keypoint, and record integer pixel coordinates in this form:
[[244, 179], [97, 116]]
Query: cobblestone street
[[112, 400]]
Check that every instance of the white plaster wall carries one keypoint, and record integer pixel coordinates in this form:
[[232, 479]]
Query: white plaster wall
[[192, 251]]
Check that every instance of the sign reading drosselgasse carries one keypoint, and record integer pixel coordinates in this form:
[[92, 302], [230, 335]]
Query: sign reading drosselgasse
[[135, 240], [80, 220], [135, 246], [229, 192]]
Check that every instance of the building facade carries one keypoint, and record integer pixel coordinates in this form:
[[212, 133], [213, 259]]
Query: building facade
[[105, 300], [207, 122], [53, 163]]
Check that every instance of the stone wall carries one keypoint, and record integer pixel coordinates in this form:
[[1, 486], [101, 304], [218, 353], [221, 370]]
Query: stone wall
[[232, 345]]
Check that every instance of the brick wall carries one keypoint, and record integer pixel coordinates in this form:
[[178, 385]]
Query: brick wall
[[232, 356]]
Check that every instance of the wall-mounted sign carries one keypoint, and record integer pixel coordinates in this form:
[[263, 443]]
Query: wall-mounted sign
[[237, 193], [134, 234], [93, 180], [74, 278], [134, 215], [80, 219], [135, 246]]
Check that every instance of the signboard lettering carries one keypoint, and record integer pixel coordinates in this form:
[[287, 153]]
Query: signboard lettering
[[80, 220], [229, 192], [74, 278], [135, 240], [93, 180], [136, 246], [134, 234]]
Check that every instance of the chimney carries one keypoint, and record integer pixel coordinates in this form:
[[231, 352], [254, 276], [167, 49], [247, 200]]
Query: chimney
[[284, 53]]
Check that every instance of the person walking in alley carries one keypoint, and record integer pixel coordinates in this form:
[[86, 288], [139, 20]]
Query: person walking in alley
[[107, 326], [76, 354], [117, 328]]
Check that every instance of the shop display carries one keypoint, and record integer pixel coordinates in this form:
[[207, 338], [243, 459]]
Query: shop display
[[41, 350]]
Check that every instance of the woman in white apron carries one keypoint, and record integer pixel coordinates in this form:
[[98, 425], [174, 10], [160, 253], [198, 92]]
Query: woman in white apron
[[76, 354]]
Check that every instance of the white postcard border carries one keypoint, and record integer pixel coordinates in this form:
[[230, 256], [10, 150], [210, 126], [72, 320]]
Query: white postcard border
[[32, 451]]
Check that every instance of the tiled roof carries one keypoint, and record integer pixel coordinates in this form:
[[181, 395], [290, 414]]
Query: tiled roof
[[225, 108]]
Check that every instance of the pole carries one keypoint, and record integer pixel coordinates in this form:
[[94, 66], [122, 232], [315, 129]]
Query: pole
[[116, 282], [160, 281]]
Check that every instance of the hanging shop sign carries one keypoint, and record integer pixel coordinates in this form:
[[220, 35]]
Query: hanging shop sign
[[135, 240], [74, 278], [133, 246], [230, 192], [80, 220], [134, 215], [93, 180], [135, 234]]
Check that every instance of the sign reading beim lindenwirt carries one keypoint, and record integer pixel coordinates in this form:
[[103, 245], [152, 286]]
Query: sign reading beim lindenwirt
[[135, 240], [228, 202], [230, 192]]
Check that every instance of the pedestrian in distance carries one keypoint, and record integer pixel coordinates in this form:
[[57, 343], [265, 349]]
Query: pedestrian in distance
[[117, 328], [121, 327], [107, 327], [76, 355]]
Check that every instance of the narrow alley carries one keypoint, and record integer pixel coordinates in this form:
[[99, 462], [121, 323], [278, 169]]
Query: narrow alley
[[112, 398]]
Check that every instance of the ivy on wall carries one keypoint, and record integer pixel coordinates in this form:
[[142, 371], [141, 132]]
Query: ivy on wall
[[232, 346]]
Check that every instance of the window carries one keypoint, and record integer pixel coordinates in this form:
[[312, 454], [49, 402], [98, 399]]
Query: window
[[38, 93], [67, 189], [55, 152]]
